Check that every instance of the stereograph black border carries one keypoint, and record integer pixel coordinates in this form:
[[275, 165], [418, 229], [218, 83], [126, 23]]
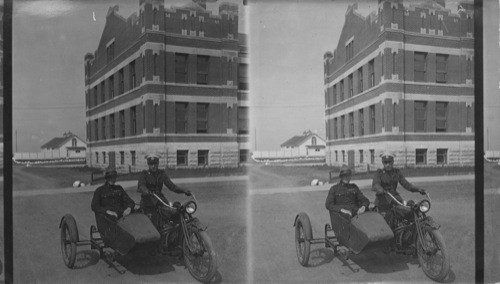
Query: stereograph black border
[[7, 153]]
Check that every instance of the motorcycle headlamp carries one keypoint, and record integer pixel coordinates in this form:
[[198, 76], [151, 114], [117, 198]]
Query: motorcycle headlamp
[[191, 207], [424, 206]]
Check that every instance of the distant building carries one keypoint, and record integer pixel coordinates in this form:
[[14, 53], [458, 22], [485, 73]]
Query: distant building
[[171, 81], [401, 79], [69, 146], [307, 144]]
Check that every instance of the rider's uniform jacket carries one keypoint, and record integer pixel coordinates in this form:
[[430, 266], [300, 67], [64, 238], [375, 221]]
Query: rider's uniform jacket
[[111, 197], [388, 181], [345, 196], [154, 182]]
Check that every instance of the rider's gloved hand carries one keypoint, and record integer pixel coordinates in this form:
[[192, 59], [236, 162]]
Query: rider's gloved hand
[[111, 213], [361, 209], [188, 192], [127, 211], [422, 191], [345, 211]]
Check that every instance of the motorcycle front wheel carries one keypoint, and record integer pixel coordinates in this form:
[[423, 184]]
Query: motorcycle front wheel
[[432, 254], [200, 260]]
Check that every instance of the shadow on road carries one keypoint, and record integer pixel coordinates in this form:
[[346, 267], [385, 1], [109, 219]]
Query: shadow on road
[[321, 256], [377, 262], [86, 258], [143, 263]]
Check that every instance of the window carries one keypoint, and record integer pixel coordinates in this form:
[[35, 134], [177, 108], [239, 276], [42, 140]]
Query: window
[[201, 25], [341, 90], [96, 129], [335, 128], [202, 157], [96, 102], [421, 156], [371, 73], [155, 64], [441, 60], [442, 156], [112, 87], [334, 94], [122, 157], [103, 128], [121, 87], [133, 120], [394, 63], [104, 157], [103, 93], [201, 118], [360, 80], [132, 156], [469, 116], [73, 142], [97, 157], [202, 70], [181, 117], [313, 141], [394, 114], [372, 119], [441, 112], [243, 156], [112, 125], [420, 66], [336, 156], [122, 123], [181, 66], [182, 157], [155, 17], [351, 124], [132, 74], [349, 50], [242, 120], [360, 156], [192, 23], [243, 76], [361, 122], [342, 127], [343, 156], [349, 80], [420, 116], [372, 156]]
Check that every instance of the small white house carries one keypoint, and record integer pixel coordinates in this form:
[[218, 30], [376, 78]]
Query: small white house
[[69, 146], [308, 144]]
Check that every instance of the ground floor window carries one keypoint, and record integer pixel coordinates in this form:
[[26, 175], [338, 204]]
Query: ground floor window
[[421, 156], [104, 157], [336, 156], [132, 155], [372, 156], [442, 156], [97, 157], [182, 157], [360, 156], [122, 157], [343, 156], [243, 156], [77, 151], [202, 157]]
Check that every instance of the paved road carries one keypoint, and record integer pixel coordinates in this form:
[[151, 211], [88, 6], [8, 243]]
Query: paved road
[[37, 255], [273, 257]]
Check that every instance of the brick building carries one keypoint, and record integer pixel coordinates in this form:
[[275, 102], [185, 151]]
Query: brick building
[[169, 80], [401, 79]]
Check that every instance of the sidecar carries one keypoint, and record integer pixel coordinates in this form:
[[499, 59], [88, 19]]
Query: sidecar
[[365, 232], [120, 236]]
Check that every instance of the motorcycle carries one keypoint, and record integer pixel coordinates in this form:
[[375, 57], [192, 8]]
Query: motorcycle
[[417, 234], [180, 230]]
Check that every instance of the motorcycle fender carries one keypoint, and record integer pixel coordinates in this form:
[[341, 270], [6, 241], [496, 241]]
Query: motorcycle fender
[[429, 222], [195, 222]]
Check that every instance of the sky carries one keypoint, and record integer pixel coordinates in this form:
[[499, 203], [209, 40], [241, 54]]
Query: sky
[[50, 39]]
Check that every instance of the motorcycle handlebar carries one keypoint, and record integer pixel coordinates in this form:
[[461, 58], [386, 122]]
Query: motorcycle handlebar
[[168, 205], [399, 203]]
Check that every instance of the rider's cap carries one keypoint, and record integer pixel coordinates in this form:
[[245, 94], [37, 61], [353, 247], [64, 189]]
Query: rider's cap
[[345, 170], [152, 158], [387, 157], [110, 172]]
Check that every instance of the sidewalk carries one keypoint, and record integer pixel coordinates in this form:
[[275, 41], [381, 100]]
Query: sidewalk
[[362, 184], [127, 185]]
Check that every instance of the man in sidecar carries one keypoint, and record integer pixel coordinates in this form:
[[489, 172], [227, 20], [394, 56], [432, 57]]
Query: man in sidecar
[[386, 180], [345, 198]]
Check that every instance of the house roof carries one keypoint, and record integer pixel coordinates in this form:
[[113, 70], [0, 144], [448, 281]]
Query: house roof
[[57, 142], [296, 141]]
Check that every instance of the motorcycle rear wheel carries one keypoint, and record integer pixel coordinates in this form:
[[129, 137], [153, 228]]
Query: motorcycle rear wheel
[[433, 256], [303, 234], [201, 262]]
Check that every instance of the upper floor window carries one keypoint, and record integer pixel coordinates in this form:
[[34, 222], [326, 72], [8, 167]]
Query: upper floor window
[[313, 141], [133, 120], [132, 74], [181, 109], [441, 113], [155, 64], [112, 125], [73, 142], [360, 80], [243, 76], [351, 91], [361, 122], [371, 73], [242, 120], [201, 118], [351, 124], [341, 90], [372, 119], [441, 67], [122, 123], [420, 116], [121, 84], [342, 126], [202, 69], [112, 86], [155, 16], [349, 50], [181, 68], [420, 66]]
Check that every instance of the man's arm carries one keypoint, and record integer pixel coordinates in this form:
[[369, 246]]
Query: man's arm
[[170, 185], [96, 202], [406, 184], [377, 183], [361, 198], [330, 201]]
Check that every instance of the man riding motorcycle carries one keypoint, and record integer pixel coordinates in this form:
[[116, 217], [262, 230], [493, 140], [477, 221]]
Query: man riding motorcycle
[[386, 180]]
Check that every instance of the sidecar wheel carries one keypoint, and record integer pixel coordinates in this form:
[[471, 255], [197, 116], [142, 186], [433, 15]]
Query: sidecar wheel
[[69, 238], [200, 260], [303, 236], [432, 255]]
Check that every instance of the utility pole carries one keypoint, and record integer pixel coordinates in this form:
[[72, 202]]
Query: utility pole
[[255, 137], [16, 140]]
